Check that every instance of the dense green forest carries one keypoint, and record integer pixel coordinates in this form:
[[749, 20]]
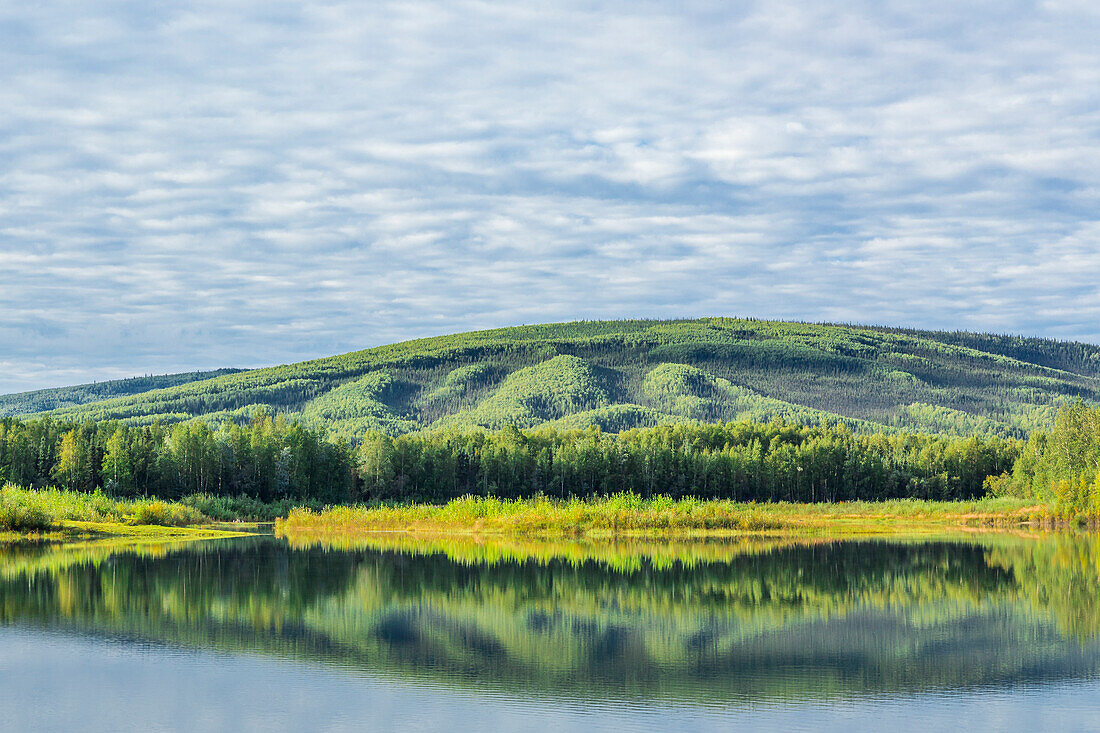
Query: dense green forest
[[1061, 466], [272, 459], [742, 461], [620, 375], [267, 459]]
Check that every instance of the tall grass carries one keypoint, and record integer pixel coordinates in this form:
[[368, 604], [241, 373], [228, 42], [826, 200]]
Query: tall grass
[[628, 513], [31, 510], [24, 513], [613, 514]]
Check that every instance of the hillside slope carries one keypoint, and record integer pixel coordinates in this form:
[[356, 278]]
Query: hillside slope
[[623, 374], [42, 400]]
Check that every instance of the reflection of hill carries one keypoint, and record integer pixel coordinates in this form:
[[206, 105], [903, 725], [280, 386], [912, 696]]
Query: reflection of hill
[[711, 621]]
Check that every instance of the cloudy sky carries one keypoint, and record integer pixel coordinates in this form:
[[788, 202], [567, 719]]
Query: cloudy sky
[[204, 184]]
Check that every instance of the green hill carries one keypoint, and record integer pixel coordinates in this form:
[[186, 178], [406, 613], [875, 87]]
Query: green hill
[[42, 400], [623, 374]]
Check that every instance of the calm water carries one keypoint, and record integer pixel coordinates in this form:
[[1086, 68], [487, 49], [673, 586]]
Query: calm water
[[993, 632]]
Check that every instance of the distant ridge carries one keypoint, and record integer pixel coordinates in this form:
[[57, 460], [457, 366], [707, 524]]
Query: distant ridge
[[42, 400], [624, 374]]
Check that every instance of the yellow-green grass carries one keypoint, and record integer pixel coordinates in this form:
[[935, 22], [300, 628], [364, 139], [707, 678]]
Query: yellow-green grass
[[60, 514], [631, 515]]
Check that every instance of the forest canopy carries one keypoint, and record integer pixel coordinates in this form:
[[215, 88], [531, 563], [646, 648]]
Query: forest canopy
[[1061, 466], [273, 459]]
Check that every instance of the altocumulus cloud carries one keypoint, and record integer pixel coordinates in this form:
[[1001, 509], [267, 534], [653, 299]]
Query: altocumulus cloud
[[191, 185]]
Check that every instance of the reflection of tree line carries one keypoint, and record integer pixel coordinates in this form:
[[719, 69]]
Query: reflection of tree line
[[1059, 576], [196, 583], [756, 620]]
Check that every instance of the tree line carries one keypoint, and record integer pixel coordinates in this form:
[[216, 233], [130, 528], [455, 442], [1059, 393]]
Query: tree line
[[273, 459], [743, 461], [1061, 466], [268, 458]]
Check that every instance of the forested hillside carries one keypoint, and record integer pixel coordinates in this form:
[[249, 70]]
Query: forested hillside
[[625, 374], [42, 400]]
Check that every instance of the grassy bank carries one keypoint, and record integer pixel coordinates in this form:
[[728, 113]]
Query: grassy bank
[[66, 514], [628, 514]]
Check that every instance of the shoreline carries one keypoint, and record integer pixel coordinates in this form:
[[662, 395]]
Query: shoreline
[[631, 517], [619, 517], [81, 531]]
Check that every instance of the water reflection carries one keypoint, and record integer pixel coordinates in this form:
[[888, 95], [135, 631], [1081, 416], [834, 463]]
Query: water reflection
[[702, 623]]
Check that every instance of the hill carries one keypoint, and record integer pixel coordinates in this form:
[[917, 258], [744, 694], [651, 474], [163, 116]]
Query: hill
[[624, 374], [43, 400]]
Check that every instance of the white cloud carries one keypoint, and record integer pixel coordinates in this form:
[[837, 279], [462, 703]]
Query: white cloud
[[243, 183]]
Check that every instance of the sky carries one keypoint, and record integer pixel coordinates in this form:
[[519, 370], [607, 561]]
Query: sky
[[235, 183]]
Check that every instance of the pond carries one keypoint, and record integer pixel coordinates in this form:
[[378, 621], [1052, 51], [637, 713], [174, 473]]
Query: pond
[[984, 631]]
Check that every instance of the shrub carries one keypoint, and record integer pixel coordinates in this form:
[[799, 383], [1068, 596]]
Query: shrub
[[165, 514], [20, 513]]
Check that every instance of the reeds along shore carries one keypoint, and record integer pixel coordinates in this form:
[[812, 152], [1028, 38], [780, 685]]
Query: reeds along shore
[[626, 514], [39, 510], [33, 511]]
